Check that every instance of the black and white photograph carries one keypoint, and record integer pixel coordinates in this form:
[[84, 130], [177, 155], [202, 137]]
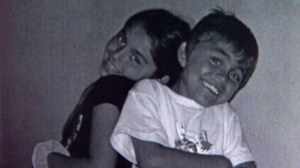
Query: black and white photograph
[[149, 84]]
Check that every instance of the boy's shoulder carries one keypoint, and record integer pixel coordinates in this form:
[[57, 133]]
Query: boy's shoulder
[[226, 108], [148, 86]]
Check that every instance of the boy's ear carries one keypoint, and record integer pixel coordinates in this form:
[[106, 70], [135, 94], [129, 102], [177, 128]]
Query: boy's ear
[[164, 80], [181, 54]]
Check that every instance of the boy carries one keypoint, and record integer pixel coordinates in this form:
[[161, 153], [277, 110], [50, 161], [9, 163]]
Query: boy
[[193, 115]]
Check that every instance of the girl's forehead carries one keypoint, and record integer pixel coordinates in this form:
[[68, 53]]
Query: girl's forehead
[[137, 30], [133, 26], [141, 29]]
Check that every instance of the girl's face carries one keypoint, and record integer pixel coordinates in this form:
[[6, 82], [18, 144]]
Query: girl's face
[[128, 54]]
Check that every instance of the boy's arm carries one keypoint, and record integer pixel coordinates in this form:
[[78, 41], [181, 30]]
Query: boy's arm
[[235, 146], [102, 154], [153, 155], [139, 134]]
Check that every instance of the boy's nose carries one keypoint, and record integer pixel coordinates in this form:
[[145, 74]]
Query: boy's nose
[[221, 76]]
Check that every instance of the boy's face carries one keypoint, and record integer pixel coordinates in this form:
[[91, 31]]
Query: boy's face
[[212, 73], [128, 54]]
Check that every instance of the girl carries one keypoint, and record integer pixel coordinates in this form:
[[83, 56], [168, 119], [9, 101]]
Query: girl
[[146, 47]]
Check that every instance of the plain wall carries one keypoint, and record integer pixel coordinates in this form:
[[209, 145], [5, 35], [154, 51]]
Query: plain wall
[[4, 43], [51, 50]]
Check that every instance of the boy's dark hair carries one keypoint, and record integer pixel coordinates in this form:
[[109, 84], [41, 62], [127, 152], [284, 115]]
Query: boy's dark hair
[[167, 32], [220, 25]]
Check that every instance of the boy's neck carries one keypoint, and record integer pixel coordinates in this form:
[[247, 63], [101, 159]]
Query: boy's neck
[[179, 88]]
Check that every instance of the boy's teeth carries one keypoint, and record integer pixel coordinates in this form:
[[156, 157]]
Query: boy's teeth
[[211, 87]]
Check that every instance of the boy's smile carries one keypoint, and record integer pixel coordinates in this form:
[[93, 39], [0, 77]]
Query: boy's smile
[[211, 87], [212, 74]]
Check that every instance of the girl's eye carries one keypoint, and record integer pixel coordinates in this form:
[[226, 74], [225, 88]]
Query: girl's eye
[[235, 76], [216, 61], [135, 59], [121, 39]]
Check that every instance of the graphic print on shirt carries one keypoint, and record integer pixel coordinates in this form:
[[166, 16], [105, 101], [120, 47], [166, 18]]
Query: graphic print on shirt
[[192, 142]]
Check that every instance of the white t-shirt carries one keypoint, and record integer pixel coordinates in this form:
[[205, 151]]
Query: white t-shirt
[[153, 112]]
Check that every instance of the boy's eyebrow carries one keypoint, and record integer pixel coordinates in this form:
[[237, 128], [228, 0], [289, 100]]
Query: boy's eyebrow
[[241, 60], [140, 54], [222, 52]]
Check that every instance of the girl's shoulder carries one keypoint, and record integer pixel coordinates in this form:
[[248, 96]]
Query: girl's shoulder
[[113, 81]]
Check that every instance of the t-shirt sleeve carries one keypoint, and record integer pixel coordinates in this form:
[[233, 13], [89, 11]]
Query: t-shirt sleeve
[[236, 148], [139, 119]]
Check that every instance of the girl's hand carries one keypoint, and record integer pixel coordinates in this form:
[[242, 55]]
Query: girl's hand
[[43, 149]]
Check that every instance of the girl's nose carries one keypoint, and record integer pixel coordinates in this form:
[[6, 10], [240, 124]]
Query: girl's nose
[[116, 55], [114, 48], [120, 57]]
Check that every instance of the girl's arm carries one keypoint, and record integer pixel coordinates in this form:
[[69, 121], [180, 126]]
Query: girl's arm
[[247, 165], [102, 154]]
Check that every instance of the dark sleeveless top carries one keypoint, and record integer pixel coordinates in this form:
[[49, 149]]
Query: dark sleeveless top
[[76, 133]]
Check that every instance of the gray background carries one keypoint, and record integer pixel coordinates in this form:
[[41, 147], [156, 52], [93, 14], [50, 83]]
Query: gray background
[[51, 50]]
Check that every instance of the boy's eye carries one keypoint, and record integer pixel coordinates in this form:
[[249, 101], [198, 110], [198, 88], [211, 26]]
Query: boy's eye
[[215, 60], [235, 76], [135, 59]]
